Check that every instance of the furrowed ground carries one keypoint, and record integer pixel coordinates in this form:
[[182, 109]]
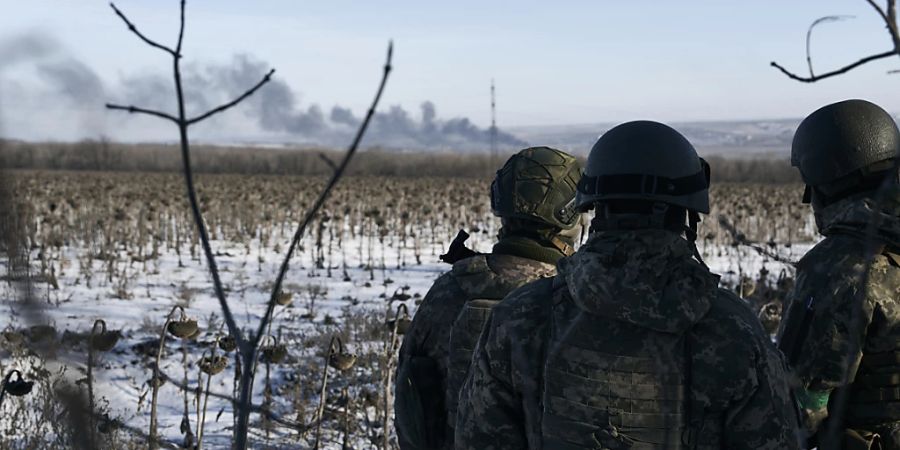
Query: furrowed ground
[[122, 247]]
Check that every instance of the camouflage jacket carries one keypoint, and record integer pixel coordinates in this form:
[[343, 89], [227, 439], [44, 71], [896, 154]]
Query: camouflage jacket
[[838, 329], [421, 391], [632, 345]]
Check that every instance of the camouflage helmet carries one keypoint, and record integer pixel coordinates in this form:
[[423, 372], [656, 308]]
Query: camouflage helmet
[[852, 137], [645, 160], [538, 184]]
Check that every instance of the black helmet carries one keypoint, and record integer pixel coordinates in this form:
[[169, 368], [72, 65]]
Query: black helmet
[[645, 160], [538, 184], [840, 146]]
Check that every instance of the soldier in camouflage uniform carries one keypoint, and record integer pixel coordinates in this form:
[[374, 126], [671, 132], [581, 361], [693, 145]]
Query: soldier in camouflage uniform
[[632, 345], [842, 327], [533, 194]]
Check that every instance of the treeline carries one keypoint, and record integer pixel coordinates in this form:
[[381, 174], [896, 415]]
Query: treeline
[[109, 156]]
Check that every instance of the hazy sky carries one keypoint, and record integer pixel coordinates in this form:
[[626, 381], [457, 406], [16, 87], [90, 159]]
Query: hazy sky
[[554, 62]]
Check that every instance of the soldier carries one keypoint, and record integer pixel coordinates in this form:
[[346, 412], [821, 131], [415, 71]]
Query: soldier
[[632, 345], [842, 327], [533, 194]]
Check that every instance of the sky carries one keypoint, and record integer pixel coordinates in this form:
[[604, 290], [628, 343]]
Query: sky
[[554, 63]]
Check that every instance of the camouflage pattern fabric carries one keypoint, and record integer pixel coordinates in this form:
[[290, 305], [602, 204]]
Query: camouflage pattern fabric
[[482, 276], [631, 346], [832, 321]]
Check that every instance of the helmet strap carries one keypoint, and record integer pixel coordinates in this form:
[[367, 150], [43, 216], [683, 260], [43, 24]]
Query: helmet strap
[[860, 182], [608, 220], [539, 233], [562, 246]]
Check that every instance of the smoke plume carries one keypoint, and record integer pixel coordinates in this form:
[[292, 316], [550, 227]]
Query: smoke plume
[[48, 78]]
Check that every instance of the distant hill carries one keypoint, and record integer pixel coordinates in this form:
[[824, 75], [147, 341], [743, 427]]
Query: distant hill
[[727, 138]]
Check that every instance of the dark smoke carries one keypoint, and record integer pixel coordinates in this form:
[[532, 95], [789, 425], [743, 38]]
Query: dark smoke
[[65, 84], [277, 109], [274, 113], [26, 47], [73, 80]]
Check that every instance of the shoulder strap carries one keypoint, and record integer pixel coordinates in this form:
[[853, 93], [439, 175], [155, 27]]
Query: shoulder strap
[[557, 293]]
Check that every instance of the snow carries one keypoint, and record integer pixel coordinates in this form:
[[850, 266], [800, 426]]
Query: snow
[[247, 270]]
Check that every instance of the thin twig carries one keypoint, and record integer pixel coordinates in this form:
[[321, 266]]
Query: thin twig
[[259, 409], [247, 376], [890, 19], [878, 9], [135, 109], [180, 32], [320, 410], [134, 30], [809, 37], [842, 70], [328, 161], [154, 382], [740, 239], [224, 107]]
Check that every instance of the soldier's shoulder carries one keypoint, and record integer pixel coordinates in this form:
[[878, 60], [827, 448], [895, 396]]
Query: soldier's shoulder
[[837, 263], [517, 264], [730, 331], [444, 289], [731, 316], [494, 276], [507, 266], [730, 344], [446, 280], [834, 253], [470, 266], [529, 301]]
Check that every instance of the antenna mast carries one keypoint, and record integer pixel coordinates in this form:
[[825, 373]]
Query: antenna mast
[[493, 123]]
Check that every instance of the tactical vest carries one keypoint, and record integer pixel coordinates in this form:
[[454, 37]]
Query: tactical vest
[[484, 291], [875, 392], [618, 386]]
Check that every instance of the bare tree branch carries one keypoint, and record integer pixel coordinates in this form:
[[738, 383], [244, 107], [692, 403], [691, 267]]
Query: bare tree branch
[[224, 107], [247, 375], [878, 9], [183, 123], [180, 31], [815, 23], [844, 69], [890, 19], [268, 413], [740, 239], [892, 24], [247, 346], [195, 208], [328, 161], [134, 109], [139, 34]]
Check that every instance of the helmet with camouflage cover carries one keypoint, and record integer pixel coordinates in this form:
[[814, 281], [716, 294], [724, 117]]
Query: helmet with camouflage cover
[[646, 161], [538, 184], [842, 147]]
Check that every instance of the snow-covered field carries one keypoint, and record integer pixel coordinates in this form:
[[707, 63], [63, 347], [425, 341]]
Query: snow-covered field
[[346, 286]]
